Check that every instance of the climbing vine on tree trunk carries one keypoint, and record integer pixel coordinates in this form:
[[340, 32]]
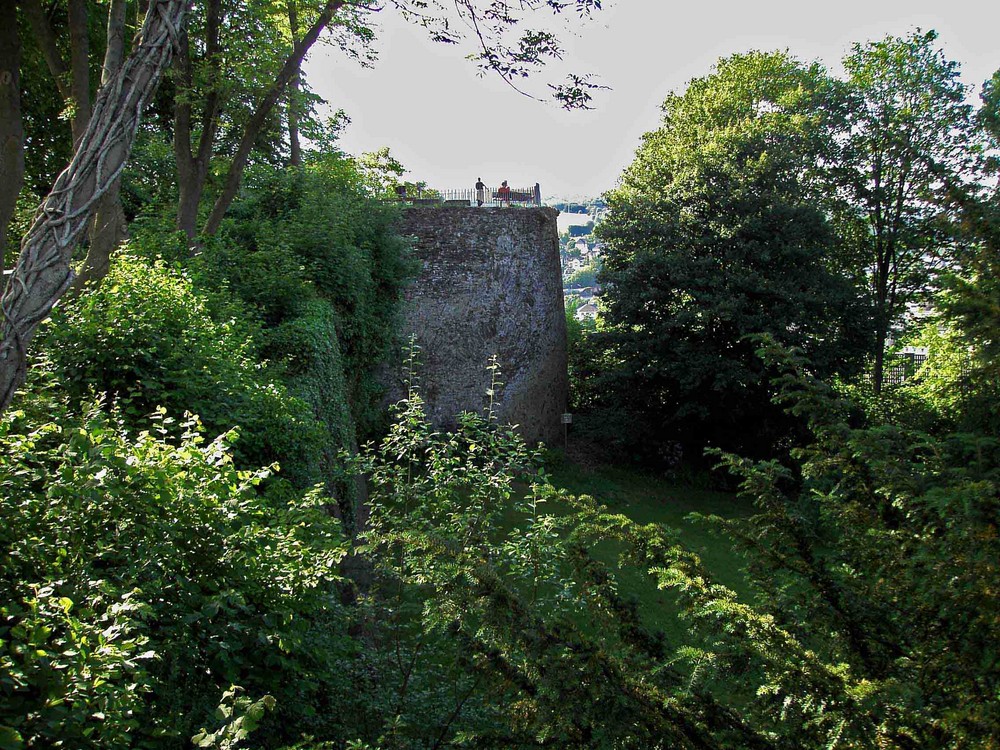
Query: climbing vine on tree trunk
[[42, 272]]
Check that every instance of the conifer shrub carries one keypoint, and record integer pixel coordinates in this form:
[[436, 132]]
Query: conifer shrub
[[870, 621]]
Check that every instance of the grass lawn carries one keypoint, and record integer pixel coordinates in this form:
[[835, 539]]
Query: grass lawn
[[648, 498]]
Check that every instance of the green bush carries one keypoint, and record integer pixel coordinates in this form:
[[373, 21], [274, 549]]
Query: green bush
[[146, 338], [142, 575], [71, 671], [957, 381]]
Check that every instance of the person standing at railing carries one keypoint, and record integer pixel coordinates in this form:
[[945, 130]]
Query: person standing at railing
[[480, 192], [503, 194]]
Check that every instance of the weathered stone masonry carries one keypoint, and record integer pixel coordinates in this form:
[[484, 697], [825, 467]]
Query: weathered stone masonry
[[489, 283]]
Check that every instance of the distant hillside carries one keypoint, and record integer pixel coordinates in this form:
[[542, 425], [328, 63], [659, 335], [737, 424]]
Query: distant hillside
[[578, 205]]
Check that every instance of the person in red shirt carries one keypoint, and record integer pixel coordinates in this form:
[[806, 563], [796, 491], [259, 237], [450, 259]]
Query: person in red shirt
[[503, 194]]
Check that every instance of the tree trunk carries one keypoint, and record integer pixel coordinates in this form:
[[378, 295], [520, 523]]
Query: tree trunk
[[294, 147], [114, 52], [11, 125], [108, 229], [46, 40], [106, 234], [79, 65], [882, 317], [43, 273], [256, 123], [878, 369], [189, 190], [192, 167]]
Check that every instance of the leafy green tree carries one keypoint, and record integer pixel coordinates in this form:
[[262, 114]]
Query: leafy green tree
[[580, 343], [81, 52], [969, 301], [226, 83], [713, 238], [910, 133]]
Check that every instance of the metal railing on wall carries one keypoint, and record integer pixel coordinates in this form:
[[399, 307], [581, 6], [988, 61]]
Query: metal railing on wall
[[901, 367], [499, 196]]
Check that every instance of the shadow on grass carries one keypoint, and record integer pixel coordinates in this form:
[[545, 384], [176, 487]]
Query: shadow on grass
[[647, 498]]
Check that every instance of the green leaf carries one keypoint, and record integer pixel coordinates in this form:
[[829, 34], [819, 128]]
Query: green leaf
[[10, 739]]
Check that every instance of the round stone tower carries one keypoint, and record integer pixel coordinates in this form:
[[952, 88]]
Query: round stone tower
[[489, 284]]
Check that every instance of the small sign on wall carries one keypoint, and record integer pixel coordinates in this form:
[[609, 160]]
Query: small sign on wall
[[567, 419]]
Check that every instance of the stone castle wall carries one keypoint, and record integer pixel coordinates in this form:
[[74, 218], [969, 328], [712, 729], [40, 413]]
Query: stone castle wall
[[489, 283]]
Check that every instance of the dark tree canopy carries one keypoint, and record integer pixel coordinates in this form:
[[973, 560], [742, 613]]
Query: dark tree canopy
[[710, 241]]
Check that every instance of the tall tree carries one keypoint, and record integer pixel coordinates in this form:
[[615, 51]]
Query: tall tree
[[258, 119], [713, 238], [909, 126], [294, 86]]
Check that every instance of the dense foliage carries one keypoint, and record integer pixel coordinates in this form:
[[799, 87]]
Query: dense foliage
[[333, 242], [142, 574], [183, 557], [190, 567], [776, 199], [145, 339]]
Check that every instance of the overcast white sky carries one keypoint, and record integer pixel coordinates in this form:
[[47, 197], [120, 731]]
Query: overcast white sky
[[449, 126]]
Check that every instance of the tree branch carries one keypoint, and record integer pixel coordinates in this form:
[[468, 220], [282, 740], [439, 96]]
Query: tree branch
[[259, 117]]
